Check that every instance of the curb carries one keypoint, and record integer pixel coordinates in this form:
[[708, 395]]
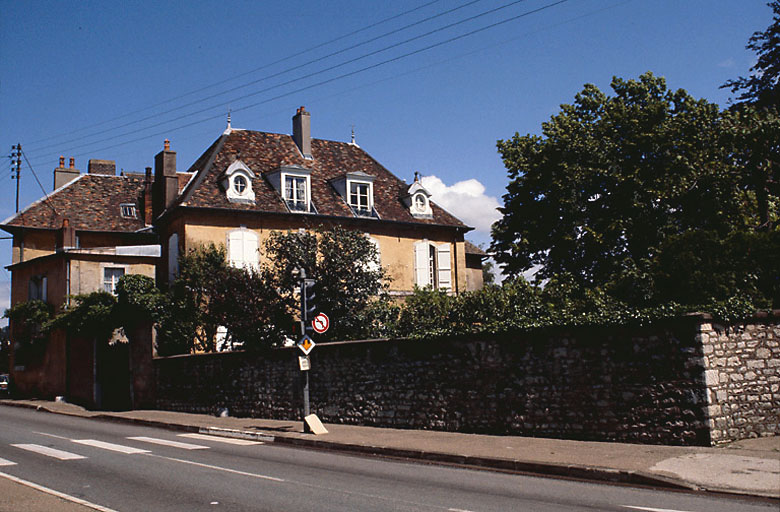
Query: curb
[[568, 471]]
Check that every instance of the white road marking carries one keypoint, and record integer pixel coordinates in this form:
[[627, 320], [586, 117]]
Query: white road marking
[[648, 509], [4, 462], [110, 446], [58, 494], [458, 510], [228, 440], [165, 442], [49, 452], [50, 435], [219, 468]]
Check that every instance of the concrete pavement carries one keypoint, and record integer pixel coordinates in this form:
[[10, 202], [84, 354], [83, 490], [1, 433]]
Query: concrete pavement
[[749, 467]]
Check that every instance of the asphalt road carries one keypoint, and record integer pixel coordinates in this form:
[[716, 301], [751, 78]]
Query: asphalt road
[[126, 467]]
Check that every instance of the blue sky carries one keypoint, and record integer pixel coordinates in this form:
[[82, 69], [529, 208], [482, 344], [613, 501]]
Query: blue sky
[[74, 72]]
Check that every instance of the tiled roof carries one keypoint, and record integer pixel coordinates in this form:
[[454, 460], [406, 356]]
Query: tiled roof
[[266, 152], [473, 249], [91, 202]]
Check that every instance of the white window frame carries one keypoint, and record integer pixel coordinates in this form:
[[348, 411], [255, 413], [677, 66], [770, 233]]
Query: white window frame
[[238, 169], [293, 198], [114, 279], [366, 210], [130, 208], [433, 265], [242, 249]]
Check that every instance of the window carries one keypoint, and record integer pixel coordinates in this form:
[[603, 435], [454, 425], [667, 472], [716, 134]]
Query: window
[[236, 181], [242, 249], [173, 257], [128, 211], [295, 193], [360, 198], [111, 277], [38, 288], [239, 184], [432, 265]]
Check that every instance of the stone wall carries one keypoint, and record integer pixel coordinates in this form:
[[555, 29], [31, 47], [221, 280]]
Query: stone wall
[[623, 384], [743, 378]]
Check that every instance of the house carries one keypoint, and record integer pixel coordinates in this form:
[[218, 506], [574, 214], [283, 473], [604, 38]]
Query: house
[[95, 227], [249, 183]]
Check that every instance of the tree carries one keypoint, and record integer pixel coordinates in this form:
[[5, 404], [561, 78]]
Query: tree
[[612, 178], [345, 266], [762, 87]]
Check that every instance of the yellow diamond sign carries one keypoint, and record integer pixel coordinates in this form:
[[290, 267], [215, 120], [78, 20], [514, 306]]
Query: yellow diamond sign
[[306, 344]]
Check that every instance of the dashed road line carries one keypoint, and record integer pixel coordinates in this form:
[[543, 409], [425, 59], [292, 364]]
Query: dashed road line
[[649, 509], [218, 468], [110, 446], [49, 452], [166, 442], [228, 440]]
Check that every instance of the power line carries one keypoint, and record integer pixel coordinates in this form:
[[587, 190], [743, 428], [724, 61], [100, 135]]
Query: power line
[[323, 82], [274, 75], [315, 73], [45, 195], [265, 66]]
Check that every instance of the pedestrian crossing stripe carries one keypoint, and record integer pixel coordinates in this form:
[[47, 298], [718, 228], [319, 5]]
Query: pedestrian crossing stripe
[[166, 442], [110, 446], [49, 452]]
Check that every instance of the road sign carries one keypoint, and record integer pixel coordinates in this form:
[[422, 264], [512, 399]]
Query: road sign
[[304, 362], [320, 323], [306, 344]]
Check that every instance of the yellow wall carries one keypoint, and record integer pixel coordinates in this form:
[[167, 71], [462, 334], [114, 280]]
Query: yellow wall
[[396, 242], [87, 276]]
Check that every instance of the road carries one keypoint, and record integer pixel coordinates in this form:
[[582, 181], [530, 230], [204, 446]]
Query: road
[[126, 467]]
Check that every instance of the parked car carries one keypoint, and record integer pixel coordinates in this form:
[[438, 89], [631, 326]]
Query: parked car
[[4, 380]]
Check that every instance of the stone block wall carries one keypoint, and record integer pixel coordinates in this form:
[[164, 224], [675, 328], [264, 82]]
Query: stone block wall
[[632, 385], [743, 378]]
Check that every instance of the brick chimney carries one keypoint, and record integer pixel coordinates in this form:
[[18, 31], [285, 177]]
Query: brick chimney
[[107, 167], [147, 199], [66, 236], [64, 175], [166, 183], [302, 131]]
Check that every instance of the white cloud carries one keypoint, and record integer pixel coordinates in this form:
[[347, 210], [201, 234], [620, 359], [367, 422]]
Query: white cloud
[[466, 200]]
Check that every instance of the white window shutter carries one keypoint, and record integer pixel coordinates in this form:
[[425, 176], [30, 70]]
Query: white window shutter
[[236, 249], [445, 269], [250, 249], [421, 271], [374, 265], [173, 257]]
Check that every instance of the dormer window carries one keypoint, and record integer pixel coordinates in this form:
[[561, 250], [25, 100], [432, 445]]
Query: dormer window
[[128, 211], [293, 183], [237, 183], [417, 199], [296, 193], [359, 198], [357, 189]]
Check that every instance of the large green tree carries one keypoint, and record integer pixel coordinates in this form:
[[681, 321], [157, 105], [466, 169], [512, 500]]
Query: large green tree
[[346, 268], [612, 178], [762, 87]]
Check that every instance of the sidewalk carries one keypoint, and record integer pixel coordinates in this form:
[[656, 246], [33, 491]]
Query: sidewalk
[[750, 467]]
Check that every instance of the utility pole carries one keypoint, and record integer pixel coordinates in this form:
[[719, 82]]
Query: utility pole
[[18, 150]]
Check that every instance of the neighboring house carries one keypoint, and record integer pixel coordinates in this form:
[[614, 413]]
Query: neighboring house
[[475, 256], [95, 227]]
